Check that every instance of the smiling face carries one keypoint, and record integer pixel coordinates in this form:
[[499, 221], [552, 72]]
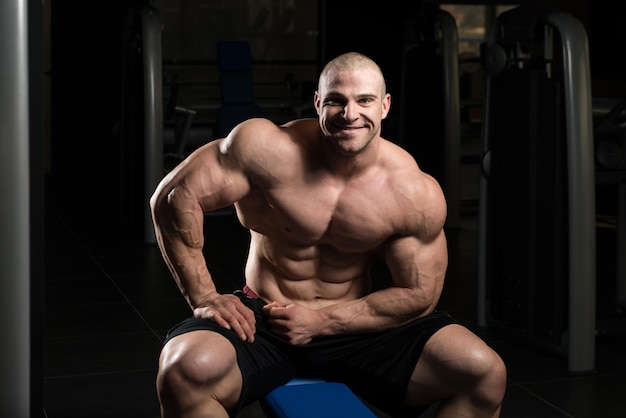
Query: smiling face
[[351, 102]]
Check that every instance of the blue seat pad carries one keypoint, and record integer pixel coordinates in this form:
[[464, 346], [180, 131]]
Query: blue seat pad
[[316, 400]]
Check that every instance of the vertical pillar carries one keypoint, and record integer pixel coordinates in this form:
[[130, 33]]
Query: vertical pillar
[[14, 210], [581, 188], [153, 111], [452, 118]]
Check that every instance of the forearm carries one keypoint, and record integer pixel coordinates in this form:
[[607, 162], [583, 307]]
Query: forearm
[[178, 224], [385, 309], [188, 267], [418, 269]]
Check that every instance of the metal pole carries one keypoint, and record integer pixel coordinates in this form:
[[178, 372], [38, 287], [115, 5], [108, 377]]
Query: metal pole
[[452, 117], [14, 210], [581, 190], [483, 194], [153, 111]]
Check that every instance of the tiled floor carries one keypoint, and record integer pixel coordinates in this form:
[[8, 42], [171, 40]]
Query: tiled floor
[[110, 300]]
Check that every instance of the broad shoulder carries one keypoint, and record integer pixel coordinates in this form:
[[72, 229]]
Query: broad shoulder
[[259, 145], [259, 135], [417, 194]]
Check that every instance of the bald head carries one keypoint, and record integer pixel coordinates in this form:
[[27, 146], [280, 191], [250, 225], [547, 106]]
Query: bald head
[[351, 61]]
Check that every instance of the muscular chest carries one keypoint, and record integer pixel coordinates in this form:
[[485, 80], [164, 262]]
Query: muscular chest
[[350, 219]]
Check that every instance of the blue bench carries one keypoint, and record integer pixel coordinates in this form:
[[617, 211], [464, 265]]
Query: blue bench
[[314, 398]]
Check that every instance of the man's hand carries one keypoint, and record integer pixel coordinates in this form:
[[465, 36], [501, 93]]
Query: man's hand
[[229, 312], [294, 323]]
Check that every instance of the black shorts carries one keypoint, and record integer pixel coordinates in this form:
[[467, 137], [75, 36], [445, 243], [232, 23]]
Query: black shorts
[[376, 365]]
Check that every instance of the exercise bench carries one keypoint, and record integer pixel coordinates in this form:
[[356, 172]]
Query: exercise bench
[[314, 398]]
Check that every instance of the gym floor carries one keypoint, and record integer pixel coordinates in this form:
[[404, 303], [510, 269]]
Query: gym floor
[[109, 301]]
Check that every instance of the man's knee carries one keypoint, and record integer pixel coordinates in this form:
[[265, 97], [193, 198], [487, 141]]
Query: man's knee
[[489, 372], [195, 368], [456, 363], [496, 378]]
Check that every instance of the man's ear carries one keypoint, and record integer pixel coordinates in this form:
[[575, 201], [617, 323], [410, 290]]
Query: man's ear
[[386, 105], [316, 102]]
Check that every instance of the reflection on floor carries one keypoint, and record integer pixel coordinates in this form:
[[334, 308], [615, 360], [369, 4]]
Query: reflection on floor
[[110, 300]]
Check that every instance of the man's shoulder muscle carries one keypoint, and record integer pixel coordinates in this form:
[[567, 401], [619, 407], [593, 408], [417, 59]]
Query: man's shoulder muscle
[[417, 195]]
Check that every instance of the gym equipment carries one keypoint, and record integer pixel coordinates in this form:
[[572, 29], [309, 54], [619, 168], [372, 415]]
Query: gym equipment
[[153, 110], [610, 142], [429, 126], [314, 398], [142, 93], [537, 247], [183, 118]]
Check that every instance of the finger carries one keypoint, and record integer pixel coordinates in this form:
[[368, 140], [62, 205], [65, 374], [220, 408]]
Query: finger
[[272, 308], [276, 304], [278, 312], [241, 322], [211, 315], [241, 327], [233, 316]]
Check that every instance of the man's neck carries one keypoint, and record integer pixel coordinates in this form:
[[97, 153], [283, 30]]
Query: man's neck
[[349, 165]]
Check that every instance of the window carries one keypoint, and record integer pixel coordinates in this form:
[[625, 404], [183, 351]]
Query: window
[[473, 22]]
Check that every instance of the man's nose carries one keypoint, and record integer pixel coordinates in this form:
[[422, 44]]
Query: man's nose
[[350, 111]]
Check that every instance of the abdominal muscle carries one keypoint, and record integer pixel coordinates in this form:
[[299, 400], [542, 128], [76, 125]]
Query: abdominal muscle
[[314, 276]]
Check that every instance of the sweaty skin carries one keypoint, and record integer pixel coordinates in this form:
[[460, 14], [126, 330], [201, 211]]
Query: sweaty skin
[[322, 198]]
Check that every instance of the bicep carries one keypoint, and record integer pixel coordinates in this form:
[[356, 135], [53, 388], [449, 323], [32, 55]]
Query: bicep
[[418, 256], [418, 263]]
